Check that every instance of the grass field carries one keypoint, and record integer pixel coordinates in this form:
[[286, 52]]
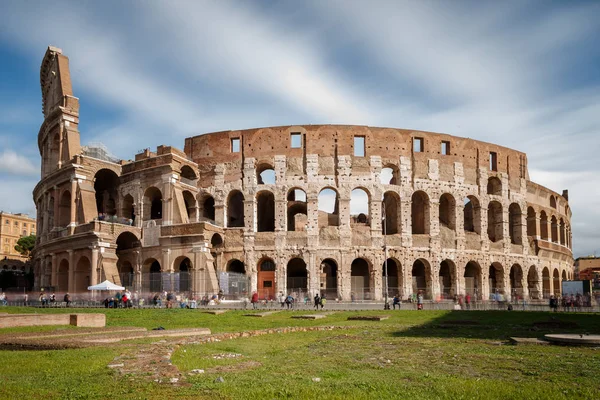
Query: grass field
[[412, 355]]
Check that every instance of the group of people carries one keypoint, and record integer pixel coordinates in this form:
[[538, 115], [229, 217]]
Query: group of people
[[50, 300], [570, 302], [122, 299]]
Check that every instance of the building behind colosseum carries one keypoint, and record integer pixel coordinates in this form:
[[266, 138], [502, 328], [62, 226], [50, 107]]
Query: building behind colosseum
[[269, 210]]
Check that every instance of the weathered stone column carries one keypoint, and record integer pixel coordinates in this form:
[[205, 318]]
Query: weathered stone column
[[71, 284], [54, 273], [73, 208]]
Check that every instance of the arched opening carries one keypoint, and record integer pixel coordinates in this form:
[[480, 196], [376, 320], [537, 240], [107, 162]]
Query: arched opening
[[64, 209], [265, 212], [63, 276], [187, 173], [125, 270], [514, 222], [394, 277], [296, 210], [297, 277], [329, 276], [265, 174], [50, 221], [495, 229], [420, 213], [494, 186], [546, 282], [473, 280], [106, 183], [544, 225], [235, 209], [447, 211], [126, 243], [421, 278], [328, 206], [216, 241], [562, 232], [447, 279], [236, 266], [554, 229], [190, 205], [564, 276], [266, 278], [516, 282], [533, 280], [127, 209], [531, 222], [390, 212], [359, 207], [389, 175], [82, 275], [472, 215], [496, 280], [208, 208], [360, 279], [153, 281], [556, 282], [182, 281], [152, 204], [553, 202], [236, 284]]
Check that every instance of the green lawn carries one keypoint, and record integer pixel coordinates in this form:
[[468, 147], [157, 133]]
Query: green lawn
[[412, 355]]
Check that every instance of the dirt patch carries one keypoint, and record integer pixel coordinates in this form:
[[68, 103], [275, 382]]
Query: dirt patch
[[555, 325], [243, 366]]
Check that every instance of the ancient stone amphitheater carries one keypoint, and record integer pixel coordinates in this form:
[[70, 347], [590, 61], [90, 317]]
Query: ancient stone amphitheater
[[294, 209]]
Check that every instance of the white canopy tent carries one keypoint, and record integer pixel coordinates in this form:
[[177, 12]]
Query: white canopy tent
[[106, 285]]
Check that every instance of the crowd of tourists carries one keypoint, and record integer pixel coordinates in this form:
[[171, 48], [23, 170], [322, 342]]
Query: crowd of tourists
[[570, 302]]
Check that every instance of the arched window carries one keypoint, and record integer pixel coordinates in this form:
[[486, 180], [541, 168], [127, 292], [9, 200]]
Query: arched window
[[447, 211], [514, 221], [106, 183], [265, 174], [152, 204], [472, 215], [328, 208], [391, 213], [554, 229], [389, 175], [265, 212], [420, 213], [359, 206], [208, 208], [296, 210], [544, 225], [495, 229], [531, 222], [494, 186], [190, 205], [235, 209]]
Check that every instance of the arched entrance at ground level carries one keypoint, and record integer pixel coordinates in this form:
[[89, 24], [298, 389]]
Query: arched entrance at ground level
[[546, 282], [329, 271], [447, 279], [297, 278], [516, 282], [496, 280], [63, 276], [473, 280], [152, 276], [421, 278], [394, 277], [360, 279], [182, 279], [533, 280], [82, 275], [556, 282], [126, 242], [125, 273], [266, 278], [234, 281]]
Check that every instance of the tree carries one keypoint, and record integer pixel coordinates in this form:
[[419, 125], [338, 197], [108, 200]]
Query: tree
[[25, 245]]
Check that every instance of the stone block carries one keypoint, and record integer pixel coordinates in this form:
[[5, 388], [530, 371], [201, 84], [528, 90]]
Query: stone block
[[88, 320]]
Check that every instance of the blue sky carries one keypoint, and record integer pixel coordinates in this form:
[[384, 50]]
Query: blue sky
[[523, 74]]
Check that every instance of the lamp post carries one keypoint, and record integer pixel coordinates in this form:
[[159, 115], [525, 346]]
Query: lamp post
[[386, 304]]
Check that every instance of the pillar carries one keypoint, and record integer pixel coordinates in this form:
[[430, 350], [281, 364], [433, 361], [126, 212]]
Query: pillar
[[71, 284]]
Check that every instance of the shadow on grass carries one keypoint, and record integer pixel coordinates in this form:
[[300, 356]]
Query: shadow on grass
[[501, 325]]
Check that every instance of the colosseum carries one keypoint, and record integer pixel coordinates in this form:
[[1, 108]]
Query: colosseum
[[275, 210]]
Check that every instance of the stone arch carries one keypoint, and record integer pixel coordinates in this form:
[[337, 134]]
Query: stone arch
[[267, 278], [564, 275], [531, 222], [543, 225], [496, 279], [182, 266], [265, 174], [297, 214], [360, 200], [297, 277], [216, 241], [495, 221], [421, 278], [188, 173], [125, 269], [64, 209], [106, 183], [447, 211], [152, 275], [447, 279], [153, 203], [265, 211], [390, 211], [394, 276], [562, 232], [361, 279], [556, 282], [389, 175], [127, 208], [50, 213], [63, 276], [328, 205], [514, 224], [473, 280], [516, 281], [553, 202], [190, 205], [533, 280], [472, 215], [235, 209], [420, 213], [82, 275], [546, 284], [207, 207], [494, 186], [554, 229], [329, 278]]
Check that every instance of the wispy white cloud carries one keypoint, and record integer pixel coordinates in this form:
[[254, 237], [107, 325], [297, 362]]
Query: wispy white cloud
[[12, 163]]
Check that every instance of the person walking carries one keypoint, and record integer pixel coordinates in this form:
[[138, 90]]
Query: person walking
[[317, 301], [323, 301], [254, 300], [419, 300], [281, 299]]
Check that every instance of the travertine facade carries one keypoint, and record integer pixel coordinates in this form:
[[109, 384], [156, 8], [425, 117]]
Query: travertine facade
[[453, 215]]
